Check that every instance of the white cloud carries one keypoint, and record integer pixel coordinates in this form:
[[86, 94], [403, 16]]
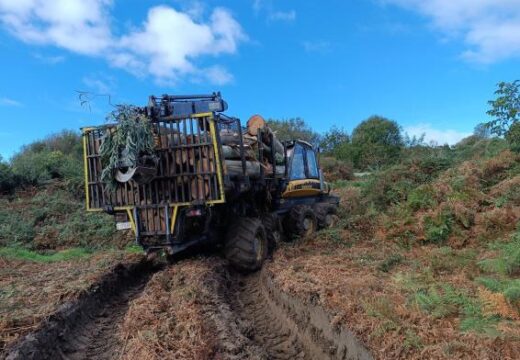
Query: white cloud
[[77, 25], [489, 28], [445, 136], [283, 15], [101, 84], [218, 75], [168, 41], [4, 101], [272, 13], [51, 60], [166, 46]]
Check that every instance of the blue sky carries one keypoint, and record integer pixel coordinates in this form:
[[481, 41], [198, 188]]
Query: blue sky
[[431, 65]]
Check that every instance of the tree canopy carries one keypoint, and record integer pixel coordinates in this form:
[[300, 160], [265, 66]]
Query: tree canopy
[[293, 129], [375, 142], [505, 110]]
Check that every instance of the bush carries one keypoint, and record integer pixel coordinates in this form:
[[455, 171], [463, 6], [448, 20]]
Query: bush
[[7, 178], [513, 137], [421, 198], [437, 228], [335, 170], [508, 261], [54, 218], [58, 156]]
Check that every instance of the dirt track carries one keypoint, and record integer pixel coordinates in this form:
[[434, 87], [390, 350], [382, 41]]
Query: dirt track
[[97, 337], [251, 318]]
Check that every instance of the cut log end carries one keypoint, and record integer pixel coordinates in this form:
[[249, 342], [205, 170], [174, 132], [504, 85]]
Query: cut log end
[[254, 123]]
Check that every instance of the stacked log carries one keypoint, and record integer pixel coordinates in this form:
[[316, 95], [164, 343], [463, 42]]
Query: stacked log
[[258, 137]]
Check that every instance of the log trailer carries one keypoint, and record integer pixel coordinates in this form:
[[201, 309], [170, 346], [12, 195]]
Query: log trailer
[[213, 182]]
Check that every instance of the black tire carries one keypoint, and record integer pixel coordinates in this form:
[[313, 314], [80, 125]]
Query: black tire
[[326, 215], [273, 230], [300, 222], [246, 244]]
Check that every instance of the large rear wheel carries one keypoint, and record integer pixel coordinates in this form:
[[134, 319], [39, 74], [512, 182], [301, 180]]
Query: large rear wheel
[[273, 230], [246, 244]]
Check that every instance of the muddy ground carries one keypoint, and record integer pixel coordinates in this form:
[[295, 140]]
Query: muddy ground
[[196, 309]]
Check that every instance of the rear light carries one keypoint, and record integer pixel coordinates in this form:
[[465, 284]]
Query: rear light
[[194, 212]]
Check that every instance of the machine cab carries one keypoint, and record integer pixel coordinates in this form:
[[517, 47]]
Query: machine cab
[[303, 171]]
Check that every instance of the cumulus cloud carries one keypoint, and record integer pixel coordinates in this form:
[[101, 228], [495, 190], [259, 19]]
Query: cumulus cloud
[[166, 46], [489, 28], [441, 137]]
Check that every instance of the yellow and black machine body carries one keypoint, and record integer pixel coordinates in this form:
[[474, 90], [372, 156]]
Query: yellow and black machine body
[[188, 197]]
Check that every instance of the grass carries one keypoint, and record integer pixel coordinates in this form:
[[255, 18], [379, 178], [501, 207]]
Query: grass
[[390, 262], [19, 253]]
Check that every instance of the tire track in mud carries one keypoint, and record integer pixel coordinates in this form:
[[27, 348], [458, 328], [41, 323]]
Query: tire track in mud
[[97, 338], [251, 319], [88, 327], [270, 330], [280, 326]]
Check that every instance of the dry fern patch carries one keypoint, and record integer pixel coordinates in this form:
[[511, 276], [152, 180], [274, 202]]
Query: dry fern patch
[[33, 286]]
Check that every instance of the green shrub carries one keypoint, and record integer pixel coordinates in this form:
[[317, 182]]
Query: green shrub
[[444, 300], [336, 170], [438, 228], [58, 156], [508, 261], [421, 198], [7, 178], [390, 262], [513, 137], [54, 218]]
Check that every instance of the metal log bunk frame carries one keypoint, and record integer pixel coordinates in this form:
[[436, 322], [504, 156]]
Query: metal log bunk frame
[[185, 126]]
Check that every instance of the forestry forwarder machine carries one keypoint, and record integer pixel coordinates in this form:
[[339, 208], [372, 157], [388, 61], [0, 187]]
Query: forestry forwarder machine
[[192, 195]]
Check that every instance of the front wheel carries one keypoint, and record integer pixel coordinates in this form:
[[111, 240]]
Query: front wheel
[[300, 222], [246, 244], [326, 215]]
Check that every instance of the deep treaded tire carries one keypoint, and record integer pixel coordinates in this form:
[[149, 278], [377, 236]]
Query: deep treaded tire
[[326, 215], [300, 222], [246, 244], [273, 230]]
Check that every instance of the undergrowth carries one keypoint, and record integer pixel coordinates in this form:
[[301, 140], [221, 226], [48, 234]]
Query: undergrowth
[[28, 255]]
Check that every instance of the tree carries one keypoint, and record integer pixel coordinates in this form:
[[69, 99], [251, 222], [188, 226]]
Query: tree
[[505, 108], [332, 140], [506, 111], [377, 141], [482, 131], [293, 129], [513, 137]]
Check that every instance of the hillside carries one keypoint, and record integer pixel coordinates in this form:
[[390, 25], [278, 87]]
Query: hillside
[[425, 261]]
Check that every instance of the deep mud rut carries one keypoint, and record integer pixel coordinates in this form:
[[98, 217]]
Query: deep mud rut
[[270, 330], [97, 337], [251, 317], [88, 327]]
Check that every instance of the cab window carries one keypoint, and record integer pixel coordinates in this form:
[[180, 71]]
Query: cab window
[[298, 164], [312, 165]]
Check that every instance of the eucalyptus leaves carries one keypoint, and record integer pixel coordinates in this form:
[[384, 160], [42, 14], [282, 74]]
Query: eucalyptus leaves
[[122, 146]]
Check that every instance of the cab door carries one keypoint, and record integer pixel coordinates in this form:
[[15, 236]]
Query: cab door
[[304, 175]]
